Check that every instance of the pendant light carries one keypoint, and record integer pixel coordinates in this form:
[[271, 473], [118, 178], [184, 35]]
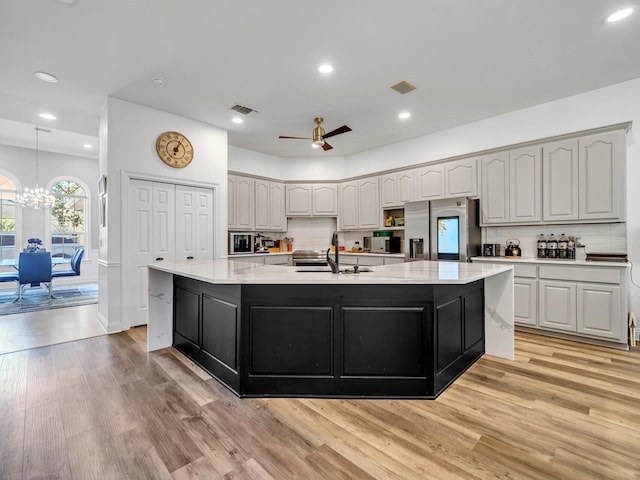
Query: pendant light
[[36, 197]]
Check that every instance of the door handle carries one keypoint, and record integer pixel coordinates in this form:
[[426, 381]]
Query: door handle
[[189, 258], [159, 259]]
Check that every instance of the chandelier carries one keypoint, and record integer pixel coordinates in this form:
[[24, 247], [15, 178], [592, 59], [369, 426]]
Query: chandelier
[[36, 197]]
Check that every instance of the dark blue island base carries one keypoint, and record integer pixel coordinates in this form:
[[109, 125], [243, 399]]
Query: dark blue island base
[[347, 341]]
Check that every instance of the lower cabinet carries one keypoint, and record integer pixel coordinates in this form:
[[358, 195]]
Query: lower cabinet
[[558, 305], [525, 299], [330, 340]]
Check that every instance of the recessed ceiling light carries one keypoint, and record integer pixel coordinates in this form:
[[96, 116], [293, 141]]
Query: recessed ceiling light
[[237, 120], [619, 15], [87, 146], [46, 77], [404, 115], [326, 68], [47, 116]]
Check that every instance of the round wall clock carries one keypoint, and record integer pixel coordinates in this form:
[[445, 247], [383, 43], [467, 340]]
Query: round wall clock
[[174, 149]]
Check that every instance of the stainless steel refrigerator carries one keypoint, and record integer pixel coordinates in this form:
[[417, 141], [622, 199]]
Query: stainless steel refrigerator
[[442, 230]]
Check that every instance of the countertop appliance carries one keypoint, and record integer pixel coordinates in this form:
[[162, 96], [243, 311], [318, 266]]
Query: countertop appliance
[[455, 232], [416, 231], [512, 248], [385, 244], [241, 243]]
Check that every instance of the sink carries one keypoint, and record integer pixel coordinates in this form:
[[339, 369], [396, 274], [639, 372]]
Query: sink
[[328, 270]]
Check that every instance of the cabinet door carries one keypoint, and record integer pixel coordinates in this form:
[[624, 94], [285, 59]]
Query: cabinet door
[[560, 181], [430, 182], [349, 197], [599, 310], [524, 185], [405, 183], [388, 193], [262, 207], [231, 201], [461, 178], [525, 301], [245, 206], [298, 200], [325, 199], [601, 185], [557, 302], [494, 197], [369, 212], [277, 218]]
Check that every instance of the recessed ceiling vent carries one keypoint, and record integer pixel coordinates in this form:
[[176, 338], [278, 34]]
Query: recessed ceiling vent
[[249, 112], [403, 87]]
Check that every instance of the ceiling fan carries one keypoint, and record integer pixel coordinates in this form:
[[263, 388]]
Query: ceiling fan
[[319, 135]]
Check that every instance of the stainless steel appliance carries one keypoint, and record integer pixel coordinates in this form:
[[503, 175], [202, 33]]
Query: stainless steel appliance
[[385, 244], [416, 231], [491, 249], [455, 233], [241, 243], [309, 258]]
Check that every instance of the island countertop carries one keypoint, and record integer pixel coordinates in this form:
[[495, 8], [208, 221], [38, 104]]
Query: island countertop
[[224, 271]]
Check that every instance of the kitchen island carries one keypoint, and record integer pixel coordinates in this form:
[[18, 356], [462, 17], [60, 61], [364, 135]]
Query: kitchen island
[[405, 330]]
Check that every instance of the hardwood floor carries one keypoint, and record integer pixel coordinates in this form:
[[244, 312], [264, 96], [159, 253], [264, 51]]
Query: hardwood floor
[[104, 408]]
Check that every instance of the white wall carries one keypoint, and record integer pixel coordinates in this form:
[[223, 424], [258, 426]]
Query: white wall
[[128, 134], [606, 106]]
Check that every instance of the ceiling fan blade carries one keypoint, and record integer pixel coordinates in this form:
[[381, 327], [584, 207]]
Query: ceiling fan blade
[[326, 146], [337, 131], [299, 138]]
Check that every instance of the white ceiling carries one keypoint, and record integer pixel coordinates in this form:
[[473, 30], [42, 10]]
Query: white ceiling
[[469, 60]]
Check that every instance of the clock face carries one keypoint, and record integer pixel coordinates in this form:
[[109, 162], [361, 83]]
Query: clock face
[[174, 149]]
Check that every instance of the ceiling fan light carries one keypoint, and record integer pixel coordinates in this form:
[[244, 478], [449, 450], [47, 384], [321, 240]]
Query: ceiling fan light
[[318, 142]]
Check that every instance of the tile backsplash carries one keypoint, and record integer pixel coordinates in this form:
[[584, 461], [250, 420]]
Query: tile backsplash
[[310, 233], [596, 237]]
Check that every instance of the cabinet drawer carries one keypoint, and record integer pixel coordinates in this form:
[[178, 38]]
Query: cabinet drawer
[[580, 274], [530, 271]]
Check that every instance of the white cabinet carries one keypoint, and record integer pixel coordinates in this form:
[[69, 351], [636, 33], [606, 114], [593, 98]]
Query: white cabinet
[[494, 199], [325, 199], [298, 200], [525, 300], [461, 178], [598, 310], [397, 188], [430, 182], [306, 200], [557, 305], [601, 187], [511, 187], [560, 181], [242, 212], [359, 204], [269, 206]]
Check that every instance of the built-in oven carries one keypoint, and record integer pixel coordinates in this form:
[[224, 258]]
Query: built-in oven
[[241, 243]]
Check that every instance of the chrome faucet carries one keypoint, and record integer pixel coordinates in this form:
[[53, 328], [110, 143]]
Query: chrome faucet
[[334, 264]]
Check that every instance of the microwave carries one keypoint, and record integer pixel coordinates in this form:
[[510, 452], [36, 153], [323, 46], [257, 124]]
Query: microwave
[[385, 244], [241, 243]]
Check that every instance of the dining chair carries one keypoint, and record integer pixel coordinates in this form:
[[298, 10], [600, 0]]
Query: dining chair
[[34, 269], [11, 277], [74, 271]]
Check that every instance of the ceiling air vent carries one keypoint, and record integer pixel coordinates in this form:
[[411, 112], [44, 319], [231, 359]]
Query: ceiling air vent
[[403, 87], [250, 112]]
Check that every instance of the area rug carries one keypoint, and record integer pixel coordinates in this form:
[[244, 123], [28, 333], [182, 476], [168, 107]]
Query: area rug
[[38, 299]]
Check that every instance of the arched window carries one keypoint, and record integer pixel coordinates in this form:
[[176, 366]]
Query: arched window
[[7, 218], [68, 218]]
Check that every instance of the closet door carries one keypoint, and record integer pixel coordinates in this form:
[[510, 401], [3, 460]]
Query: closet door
[[140, 251], [194, 223], [164, 222]]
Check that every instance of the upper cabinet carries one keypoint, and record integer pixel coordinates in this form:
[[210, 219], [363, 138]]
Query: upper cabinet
[[269, 206], [511, 187], [583, 179], [461, 178], [359, 204], [397, 188], [306, 199], [242, 195], [601, 178], [430, 182]]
